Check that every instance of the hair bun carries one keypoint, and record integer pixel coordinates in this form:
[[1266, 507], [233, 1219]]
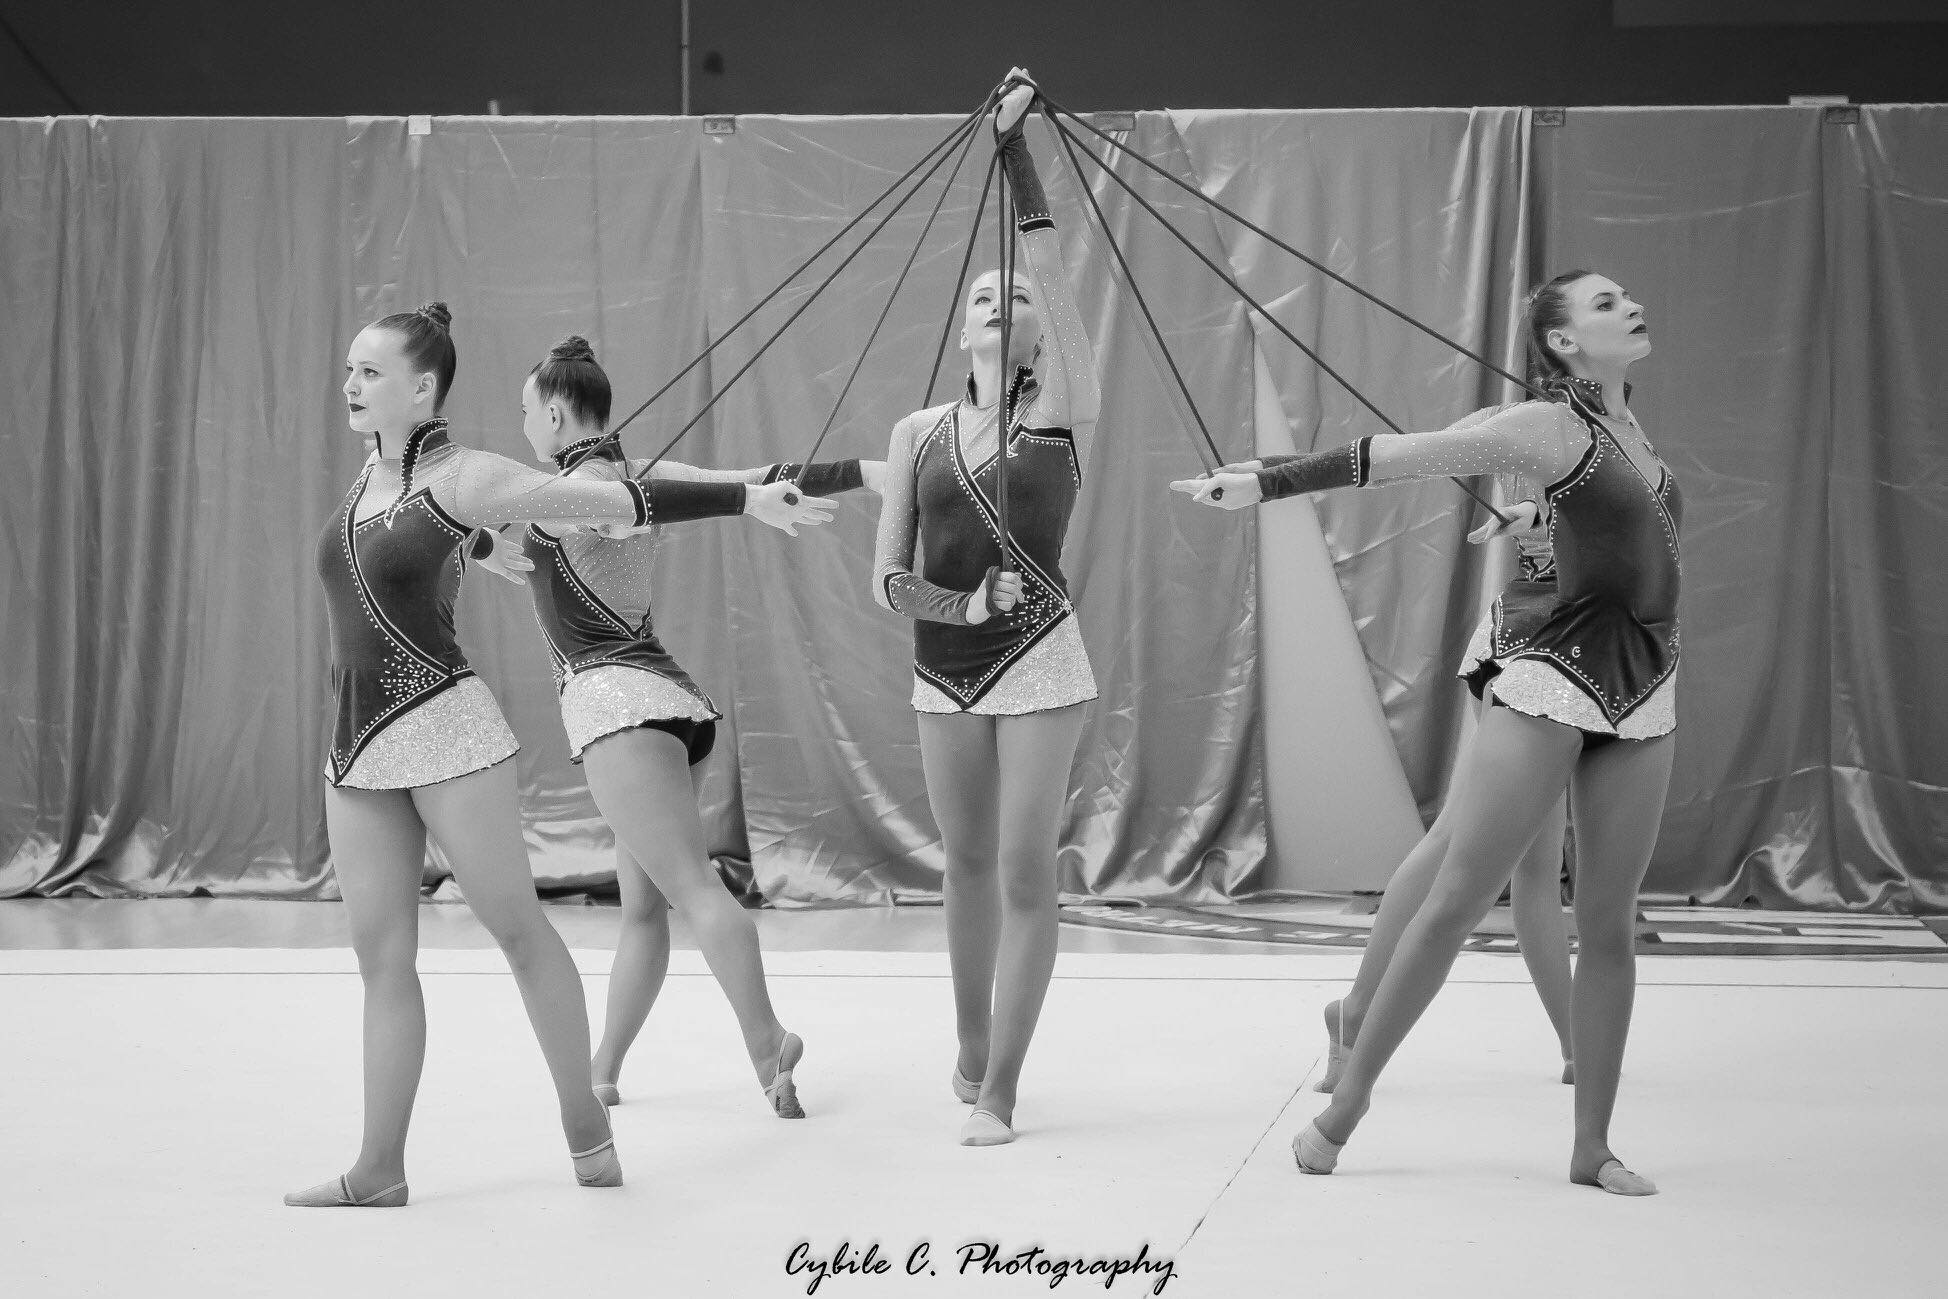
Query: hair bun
[[437, 314], [572, 348]]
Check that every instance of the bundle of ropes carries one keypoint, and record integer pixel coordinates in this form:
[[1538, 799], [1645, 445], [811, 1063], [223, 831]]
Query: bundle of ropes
[[958, 144]]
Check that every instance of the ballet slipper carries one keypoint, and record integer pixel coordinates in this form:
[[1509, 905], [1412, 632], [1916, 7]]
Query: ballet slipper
[[337, 1194], [781, 1091], [1314, 1153], [606, 1093], [1613, 1177], [1337, 1053], [598, 1172], [984, 1129], [1569, 1072], [966, 1090]]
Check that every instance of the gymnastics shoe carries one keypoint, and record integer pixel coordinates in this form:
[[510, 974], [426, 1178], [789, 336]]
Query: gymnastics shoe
[[337, 1194], [606, 1093], [966, 1091], [984, 1129], [1314, 1153], [781, 1091], [1337, 1053], [598, 1165], [1613, 1177], [1569, 1073]]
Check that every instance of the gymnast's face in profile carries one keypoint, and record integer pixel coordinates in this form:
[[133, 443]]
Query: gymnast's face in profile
[[381, 390], [980, 331], [1606, 326]]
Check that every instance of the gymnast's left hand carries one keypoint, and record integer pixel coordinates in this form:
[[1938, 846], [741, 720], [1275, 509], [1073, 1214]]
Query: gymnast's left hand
[[507, 559], [873, 474], [1225, 491], [785, 506], [1015, 102]]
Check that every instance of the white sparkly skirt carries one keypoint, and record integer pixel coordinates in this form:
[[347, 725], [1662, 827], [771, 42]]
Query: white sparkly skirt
[[1054, 673], [611, 697], [1539, 688], [458, 731]]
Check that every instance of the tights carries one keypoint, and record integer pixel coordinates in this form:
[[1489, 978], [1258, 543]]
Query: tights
[[998, 787], [1515, 772], [378, 842], [641, 782]]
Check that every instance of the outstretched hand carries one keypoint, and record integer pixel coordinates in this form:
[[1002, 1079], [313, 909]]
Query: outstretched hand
[[1018, 94], [1519, 517], [784, 506], [1222, 490], [507, 559]]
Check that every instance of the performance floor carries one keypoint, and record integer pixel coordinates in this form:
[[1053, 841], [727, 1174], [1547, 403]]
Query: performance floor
[[173, 1067]]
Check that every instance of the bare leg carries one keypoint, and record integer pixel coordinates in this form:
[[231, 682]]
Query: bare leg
[[378, 847], [1514, 772], [1036, 751], [642, 962], [476, 819], [1619, 794], [1540, 929], [641, 782], [959, 755]]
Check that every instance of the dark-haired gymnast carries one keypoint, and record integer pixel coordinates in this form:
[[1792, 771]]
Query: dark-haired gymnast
[[1000, 675], [638, 723], [418, 744], [1586, 696]]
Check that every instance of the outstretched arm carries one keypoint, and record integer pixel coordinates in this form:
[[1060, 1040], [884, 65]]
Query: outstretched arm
[[491, 490], [820, 478], [1543, 440]]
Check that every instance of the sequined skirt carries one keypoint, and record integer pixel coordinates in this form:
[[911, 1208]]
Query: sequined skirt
[[1054, 673], [458, 731], [1535, 686], [611, 697]]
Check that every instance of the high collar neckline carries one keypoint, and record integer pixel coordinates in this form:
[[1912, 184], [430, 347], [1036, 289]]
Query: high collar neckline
[[602, 446]]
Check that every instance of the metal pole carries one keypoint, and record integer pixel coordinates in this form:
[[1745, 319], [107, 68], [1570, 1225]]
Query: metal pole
[[683, 56]]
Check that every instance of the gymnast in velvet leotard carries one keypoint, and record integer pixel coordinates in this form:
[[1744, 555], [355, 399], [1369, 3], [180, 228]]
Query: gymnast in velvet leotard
[[1584, 679], [999, 671], [638, 722]]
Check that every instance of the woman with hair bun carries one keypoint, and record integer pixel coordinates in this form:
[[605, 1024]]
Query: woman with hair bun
[[1000, 675], [1583, 685], [419, 746], [638, 723]]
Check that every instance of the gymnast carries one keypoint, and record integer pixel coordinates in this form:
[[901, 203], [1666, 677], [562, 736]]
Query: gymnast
[[638, 723], [1584, 699], [1000, 676]]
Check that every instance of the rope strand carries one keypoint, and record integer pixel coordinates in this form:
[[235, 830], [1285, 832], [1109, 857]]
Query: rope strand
[[1256, 305], [952, 138]]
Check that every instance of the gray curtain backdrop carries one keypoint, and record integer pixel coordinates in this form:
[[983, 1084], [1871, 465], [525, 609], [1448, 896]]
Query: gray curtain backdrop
[[178, 296]]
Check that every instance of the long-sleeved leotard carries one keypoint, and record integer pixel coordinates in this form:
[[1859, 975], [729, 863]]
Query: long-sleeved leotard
[[592, 599], [940, 495], [1598, 652], [409, 711]]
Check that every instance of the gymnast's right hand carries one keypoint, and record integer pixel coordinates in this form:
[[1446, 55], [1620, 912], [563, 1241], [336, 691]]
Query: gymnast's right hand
[[785, 506], [1005, 589], [1221, 490], [1519, 517]]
